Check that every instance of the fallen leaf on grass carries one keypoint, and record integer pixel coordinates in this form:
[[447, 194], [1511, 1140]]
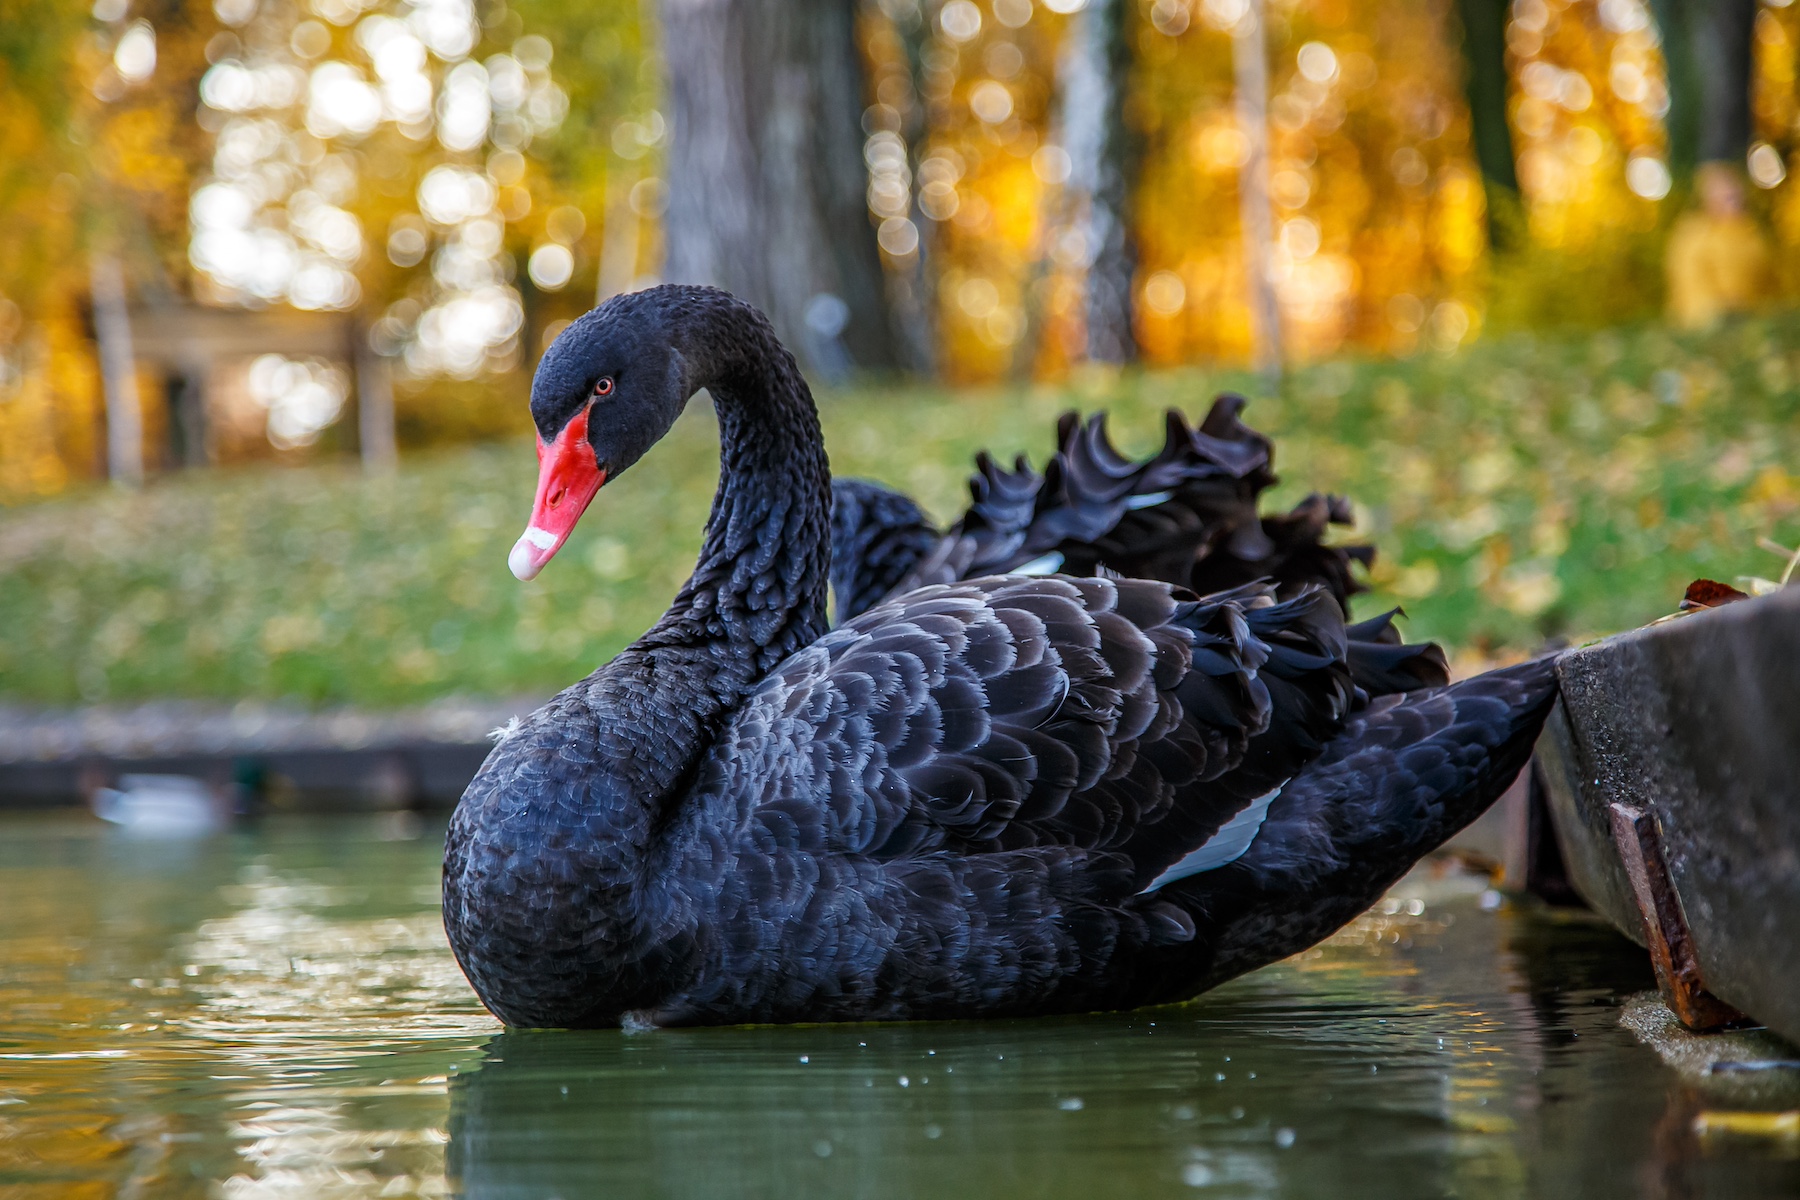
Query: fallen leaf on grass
[[1710, 593]]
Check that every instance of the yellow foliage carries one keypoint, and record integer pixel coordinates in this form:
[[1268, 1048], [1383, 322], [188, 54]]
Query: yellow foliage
[[1775, 488], [1585, 101], [49, 420], [29, 462], [138, 142]]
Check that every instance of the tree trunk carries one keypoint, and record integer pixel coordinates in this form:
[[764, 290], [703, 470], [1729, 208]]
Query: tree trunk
[[1484, 81], [1680, 123], [619, 238], [767, 188], [1722, 31], [912, 293], [1707, 49], [118, 372], [1250, 66], [1103, 157], [374, 405]]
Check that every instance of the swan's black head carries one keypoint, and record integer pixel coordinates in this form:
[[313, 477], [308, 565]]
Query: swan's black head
[[607, 390]]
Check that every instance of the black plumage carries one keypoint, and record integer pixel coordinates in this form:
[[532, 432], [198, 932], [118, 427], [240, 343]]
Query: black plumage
[[1186, 515], [1408, 771], [877, 536], [986, 796]]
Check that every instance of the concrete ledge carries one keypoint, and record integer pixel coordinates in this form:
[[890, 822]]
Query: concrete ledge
[[327, 760], [1695, 722]]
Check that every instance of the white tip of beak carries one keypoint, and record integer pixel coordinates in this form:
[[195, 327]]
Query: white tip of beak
[[525, 561]]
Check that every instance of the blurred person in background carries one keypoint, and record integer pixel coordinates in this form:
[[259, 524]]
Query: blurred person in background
[[1719, 260]]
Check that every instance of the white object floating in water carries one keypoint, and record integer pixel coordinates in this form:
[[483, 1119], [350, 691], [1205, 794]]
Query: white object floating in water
[[161, 806]]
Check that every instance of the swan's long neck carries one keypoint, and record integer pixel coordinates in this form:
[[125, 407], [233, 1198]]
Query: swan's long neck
[[760, 584], [758, 591], [553, 894]]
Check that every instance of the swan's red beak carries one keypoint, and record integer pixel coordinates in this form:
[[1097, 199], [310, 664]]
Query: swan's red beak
[[568, 478]]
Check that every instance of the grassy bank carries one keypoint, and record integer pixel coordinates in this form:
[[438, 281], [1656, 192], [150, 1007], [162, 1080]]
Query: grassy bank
[[1526, 488]]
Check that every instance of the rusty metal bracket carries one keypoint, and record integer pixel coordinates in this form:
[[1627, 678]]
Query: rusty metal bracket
[[1665, 926]]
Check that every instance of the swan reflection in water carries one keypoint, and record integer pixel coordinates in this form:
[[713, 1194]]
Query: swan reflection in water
[[1369, 1069]]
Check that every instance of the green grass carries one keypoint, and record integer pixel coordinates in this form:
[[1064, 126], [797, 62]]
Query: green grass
[[1529, 487]]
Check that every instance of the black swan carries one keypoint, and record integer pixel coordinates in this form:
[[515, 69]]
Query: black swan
[[1006, 795]]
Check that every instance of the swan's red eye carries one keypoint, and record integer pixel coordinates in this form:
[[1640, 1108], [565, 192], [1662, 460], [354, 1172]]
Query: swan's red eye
[[604, 387]]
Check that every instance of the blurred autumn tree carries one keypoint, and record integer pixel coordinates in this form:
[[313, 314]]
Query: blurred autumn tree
[[1589, 95], [1485, 84], [410, 160], [38, 451], [980, 188], [1775, 129], [100, 170], [1379, 206], [1706, 48], [412, 163], [1105, 156], [766, 175]]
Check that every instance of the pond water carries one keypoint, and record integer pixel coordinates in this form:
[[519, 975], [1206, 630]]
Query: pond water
[[274, 1012]]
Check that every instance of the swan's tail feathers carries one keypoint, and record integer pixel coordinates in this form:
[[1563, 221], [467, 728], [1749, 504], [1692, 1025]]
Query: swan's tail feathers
[[1095, 506], [1186, 515], [1292, 551], [1405, 774], [878, 537]]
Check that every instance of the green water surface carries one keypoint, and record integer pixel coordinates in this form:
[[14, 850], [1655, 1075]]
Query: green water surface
[[274, 1013]]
